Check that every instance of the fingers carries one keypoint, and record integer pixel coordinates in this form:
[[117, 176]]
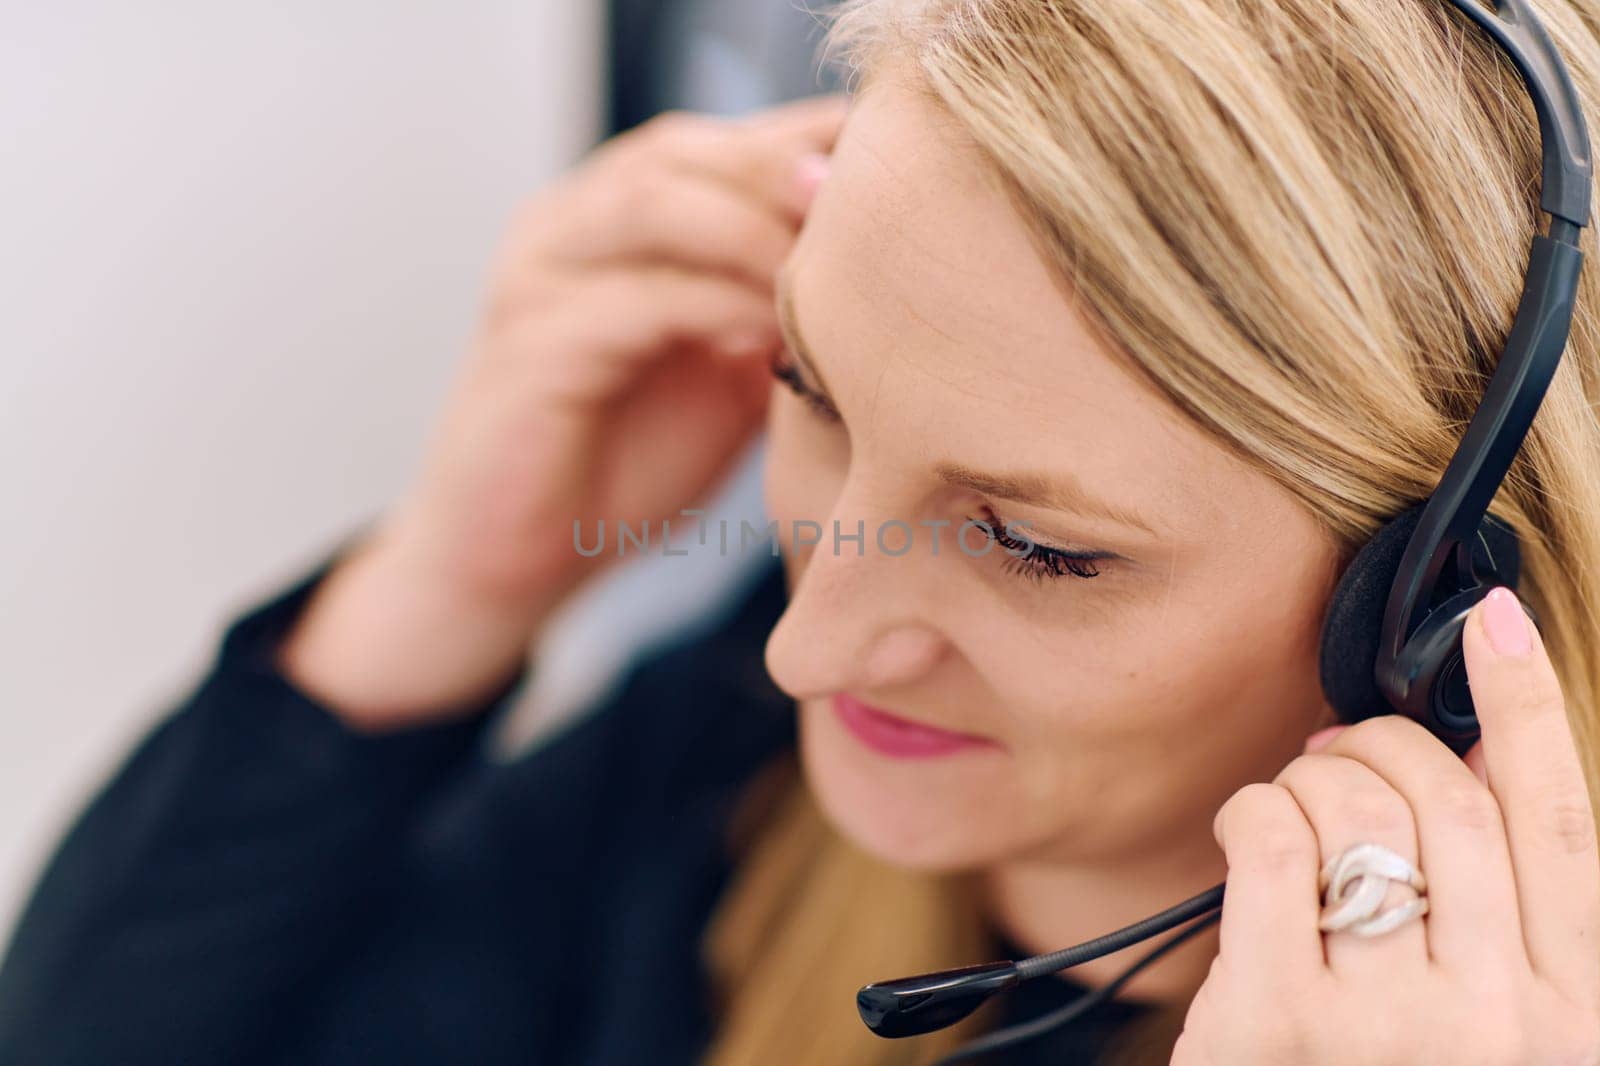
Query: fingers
[[813, 120], [1472, 918], [698, 191], [674, 217], [772, 176], [1348, 804], [1535, 774], [811, 125], [1270, 905], [763, 157], [623, 317]]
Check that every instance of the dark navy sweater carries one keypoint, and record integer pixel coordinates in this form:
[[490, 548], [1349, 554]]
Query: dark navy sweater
[[260, 885]]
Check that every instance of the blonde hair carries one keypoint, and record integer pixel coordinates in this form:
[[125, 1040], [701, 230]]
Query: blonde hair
[[1305, 223]]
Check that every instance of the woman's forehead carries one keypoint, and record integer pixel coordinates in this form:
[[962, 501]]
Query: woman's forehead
[[916, 283]]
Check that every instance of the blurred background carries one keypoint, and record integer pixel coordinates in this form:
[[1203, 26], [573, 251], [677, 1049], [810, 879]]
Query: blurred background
[[243, 249]]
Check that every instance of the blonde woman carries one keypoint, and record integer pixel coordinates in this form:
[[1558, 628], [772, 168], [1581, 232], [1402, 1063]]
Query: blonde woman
[[1202, 292]]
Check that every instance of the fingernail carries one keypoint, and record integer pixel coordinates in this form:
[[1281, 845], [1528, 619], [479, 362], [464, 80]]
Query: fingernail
[[1323, 737], [1505, 623], [811, 171]]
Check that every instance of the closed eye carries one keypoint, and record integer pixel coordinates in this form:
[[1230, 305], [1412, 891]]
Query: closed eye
[[785, 370], [1028, 558]]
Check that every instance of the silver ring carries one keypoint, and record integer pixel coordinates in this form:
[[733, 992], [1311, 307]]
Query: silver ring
[[1354, 883]]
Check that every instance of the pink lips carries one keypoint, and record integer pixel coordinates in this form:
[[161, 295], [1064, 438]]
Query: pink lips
[[888, 734]]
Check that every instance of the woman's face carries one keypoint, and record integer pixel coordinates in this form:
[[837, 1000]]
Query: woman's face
[[950, 379]]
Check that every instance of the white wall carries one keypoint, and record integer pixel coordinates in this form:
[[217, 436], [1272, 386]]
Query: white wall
[[240, 249]]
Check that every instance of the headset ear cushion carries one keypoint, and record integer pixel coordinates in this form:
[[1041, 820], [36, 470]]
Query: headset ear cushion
[[1354, 621]]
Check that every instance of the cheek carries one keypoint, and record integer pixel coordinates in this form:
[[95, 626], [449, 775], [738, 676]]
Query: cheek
[[1156, 720]]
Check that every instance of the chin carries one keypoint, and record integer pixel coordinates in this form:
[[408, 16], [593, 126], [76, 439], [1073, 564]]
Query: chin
[[936, 814]]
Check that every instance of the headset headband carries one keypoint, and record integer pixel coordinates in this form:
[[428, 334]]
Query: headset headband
[[1425, 599]]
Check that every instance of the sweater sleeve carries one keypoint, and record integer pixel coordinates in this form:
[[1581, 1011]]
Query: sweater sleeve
[[228, 859]]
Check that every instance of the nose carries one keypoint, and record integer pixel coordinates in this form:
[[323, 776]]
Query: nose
[[861, 622]]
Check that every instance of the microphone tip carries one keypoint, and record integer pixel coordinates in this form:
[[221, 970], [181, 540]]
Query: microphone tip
[[910, 1006]]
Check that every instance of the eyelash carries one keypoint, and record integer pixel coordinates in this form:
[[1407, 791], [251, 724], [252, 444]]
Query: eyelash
[[1040, 563], [789, 374]]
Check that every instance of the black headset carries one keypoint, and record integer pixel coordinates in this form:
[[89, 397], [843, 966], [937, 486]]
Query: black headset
[[1391, 639]]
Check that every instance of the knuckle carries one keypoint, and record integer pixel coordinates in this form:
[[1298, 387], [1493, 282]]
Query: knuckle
[[634, 196], [1288, 1037], [528, 224], [1469, 806], [1277, 851], [1384, 730], [1262, 828], [1249, 803], [1570, 824], [1252, 811], [674, 125], [1377, 814], [1543, 697], [511, 301]]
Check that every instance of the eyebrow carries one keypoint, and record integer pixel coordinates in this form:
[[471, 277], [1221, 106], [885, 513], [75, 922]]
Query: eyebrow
[[1039, 490], [1028, 488]]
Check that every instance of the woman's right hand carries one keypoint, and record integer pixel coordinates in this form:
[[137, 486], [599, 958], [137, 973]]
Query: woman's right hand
[[619, 368]]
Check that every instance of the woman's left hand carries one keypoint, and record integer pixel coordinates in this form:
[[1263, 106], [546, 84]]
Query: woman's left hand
[[1504, 967]]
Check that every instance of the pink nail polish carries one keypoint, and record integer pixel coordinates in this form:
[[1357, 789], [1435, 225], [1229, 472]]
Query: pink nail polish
[[1323, 737], [811, 171], [1505, 623]]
